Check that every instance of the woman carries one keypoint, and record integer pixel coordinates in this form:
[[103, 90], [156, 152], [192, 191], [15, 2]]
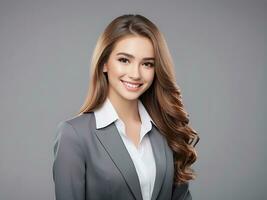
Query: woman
[[131, 138]]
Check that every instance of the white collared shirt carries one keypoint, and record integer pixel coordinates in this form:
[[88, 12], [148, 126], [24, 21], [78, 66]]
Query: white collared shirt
[[142, 156]]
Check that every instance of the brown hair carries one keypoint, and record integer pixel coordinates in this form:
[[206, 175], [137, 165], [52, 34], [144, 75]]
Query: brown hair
[[162, 100]]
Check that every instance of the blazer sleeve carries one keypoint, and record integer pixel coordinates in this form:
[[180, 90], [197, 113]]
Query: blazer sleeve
[[181, 192], [69, 164]]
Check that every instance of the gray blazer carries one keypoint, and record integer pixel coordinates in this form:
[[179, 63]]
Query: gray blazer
[[91, 164]]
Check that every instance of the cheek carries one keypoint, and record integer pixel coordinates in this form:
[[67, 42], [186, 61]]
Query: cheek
[[149, 75], [115, 70]]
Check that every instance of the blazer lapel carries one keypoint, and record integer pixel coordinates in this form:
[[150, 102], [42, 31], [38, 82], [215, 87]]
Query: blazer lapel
[[113, 144], [158, 146]]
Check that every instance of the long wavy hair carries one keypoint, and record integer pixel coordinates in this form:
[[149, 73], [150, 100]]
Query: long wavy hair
[[162, 99]]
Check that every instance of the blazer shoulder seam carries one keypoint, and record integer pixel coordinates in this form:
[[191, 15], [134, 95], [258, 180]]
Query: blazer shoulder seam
[[78, 136]]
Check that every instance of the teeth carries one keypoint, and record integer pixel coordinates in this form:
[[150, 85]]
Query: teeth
[[131, 85]]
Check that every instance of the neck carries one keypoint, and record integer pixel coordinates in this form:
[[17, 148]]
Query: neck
[[127, 109]]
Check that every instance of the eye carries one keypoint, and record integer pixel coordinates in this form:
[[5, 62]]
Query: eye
[[123, 60], [150, 64]]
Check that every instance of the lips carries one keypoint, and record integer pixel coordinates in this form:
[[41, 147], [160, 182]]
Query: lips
[[137, 84]]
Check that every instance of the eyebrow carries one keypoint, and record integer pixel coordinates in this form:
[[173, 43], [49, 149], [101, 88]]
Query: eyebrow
[[131, 56]]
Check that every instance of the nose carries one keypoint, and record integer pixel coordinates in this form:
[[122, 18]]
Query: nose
[[134, 72]]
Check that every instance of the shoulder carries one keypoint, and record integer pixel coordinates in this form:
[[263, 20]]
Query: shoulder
[[83, 120], [71, 132], [80, 124]]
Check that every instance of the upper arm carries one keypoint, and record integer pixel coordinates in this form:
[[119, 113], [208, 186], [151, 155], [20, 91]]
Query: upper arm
[[181, 192], [69, 164]]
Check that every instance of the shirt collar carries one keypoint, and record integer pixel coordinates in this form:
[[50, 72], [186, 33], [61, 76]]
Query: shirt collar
[[107, 114]]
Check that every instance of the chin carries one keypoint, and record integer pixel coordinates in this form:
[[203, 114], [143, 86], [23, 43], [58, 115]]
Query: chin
[[131, 97]]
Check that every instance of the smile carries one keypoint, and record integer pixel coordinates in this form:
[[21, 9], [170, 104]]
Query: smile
[[130, 86]]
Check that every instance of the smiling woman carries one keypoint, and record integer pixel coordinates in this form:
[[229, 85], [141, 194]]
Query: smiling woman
[[131, 138], [128, 70]]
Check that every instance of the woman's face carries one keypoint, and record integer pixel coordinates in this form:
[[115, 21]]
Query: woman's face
[[130, 68]]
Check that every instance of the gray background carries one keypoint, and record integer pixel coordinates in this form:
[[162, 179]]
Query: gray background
[[219, 50]]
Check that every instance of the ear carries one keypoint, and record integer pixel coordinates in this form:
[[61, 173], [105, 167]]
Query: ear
[[105, 69]]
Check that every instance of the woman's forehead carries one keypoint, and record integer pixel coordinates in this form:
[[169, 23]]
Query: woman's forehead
[[137, 46]]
